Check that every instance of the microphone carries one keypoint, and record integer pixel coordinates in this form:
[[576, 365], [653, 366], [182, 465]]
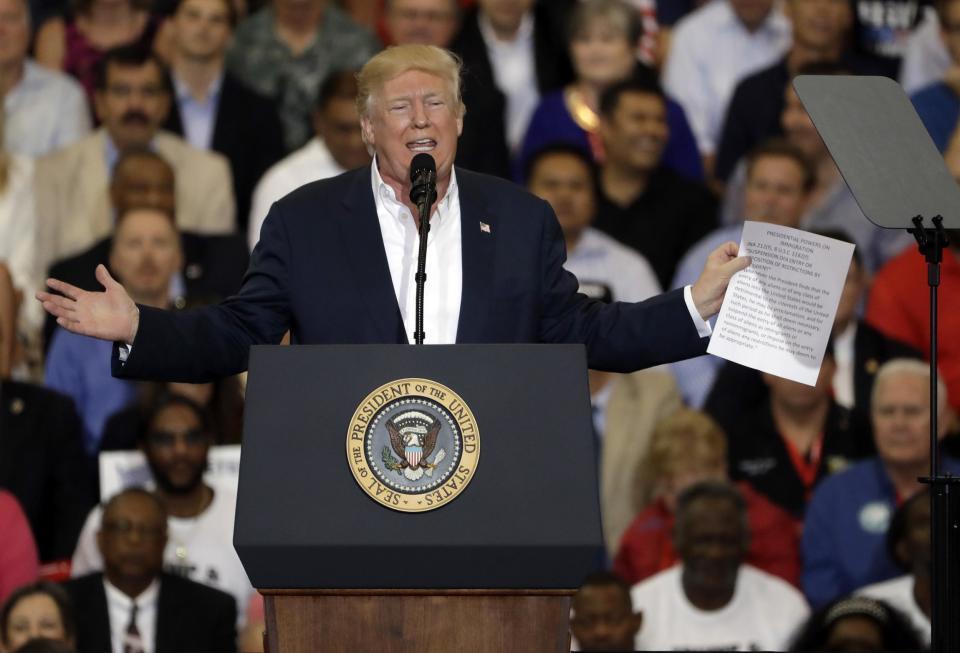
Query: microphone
[[423, 193], [423, 176]]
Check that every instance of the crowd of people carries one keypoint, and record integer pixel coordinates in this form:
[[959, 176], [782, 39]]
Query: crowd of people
[[740, 511]]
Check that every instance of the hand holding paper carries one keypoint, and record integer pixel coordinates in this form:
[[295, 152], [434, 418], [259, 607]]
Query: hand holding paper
[[778, 313]]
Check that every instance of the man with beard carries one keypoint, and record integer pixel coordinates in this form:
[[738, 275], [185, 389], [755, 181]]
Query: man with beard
[[133, 606], [132, 99], [711, 600], [145, 254], [199, 517]]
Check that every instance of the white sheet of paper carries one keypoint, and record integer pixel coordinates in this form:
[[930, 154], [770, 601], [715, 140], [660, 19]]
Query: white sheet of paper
[[777, 314]]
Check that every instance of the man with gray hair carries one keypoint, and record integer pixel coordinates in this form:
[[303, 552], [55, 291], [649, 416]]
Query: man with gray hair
[[712, 600], [846, 523], [44, 110], [334, 261]]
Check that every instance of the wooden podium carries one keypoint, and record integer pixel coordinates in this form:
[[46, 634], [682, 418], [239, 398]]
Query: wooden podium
[[492, 569]]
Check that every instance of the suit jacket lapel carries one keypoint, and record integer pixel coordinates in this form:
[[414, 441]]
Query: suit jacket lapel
[[362, 241], [479, 244]]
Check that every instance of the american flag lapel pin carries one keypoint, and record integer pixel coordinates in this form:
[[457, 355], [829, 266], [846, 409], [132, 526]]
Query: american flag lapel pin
[[484, 227]]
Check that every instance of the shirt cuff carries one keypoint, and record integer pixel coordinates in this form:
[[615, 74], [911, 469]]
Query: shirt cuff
[[123, 351], [703, 327]]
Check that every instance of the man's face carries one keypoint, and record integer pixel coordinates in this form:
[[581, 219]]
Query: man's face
[[133, 534], [14, 32], [950, 29], [425, 22], [820, 24], [505, 14], [800, 397], [915, 546], [566, 183], [636, 132], [713, 545], [142, 182], [799, 129], [146, 253], [774, 192], [339, 127], [601, 53], [133, 104], [603, 619], [414, 112], [751, 12], [176, 449], [201, 28], [901, 419]]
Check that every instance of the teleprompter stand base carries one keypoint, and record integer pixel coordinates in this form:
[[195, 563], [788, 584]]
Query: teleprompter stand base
[[426, 621]]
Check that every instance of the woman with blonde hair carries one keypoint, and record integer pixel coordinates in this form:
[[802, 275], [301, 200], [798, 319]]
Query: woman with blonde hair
[[685, 449]]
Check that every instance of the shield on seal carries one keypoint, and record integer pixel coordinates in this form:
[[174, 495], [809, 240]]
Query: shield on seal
[[413, 455]]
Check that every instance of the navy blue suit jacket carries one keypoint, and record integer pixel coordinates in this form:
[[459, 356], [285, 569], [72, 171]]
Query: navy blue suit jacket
[[321, 271]]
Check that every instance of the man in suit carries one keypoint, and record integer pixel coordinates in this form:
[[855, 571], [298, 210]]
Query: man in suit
[[133, 602], [132, 99], [212, 109], [334, 260], [512, 53]]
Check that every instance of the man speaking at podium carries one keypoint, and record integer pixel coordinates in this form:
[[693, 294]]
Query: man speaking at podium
[[337, 259]]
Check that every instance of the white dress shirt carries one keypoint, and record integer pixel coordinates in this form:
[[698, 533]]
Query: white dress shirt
[[119, 607], [441, 301], [311, 162], [843, 356], [710, 52], [515, 74]]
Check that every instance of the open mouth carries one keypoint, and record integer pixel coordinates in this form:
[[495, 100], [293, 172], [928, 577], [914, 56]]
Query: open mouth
[[422, 145]]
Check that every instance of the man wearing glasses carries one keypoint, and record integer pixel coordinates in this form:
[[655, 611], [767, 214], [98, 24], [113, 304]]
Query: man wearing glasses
[[135, 607], [132, 98]]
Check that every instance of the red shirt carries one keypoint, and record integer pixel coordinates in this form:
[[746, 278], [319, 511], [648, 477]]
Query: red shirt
[[18, 552], [647, 547], [899, 307]]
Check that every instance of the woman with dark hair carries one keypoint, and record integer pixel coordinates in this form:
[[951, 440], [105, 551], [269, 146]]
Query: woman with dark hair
[[41, 609], [857, 624], [77, 41]]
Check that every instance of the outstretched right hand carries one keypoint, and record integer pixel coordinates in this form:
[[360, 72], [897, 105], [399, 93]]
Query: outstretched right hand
[[109, 315]]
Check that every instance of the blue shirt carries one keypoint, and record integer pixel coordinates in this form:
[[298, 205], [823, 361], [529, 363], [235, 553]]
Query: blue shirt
[[79, 367], [844, 533], [199, 118], [939, 109]]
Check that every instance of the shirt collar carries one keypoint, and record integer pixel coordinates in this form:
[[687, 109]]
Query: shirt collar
[[183, 93], [384, 194], [117, 598], [112, 154], [524, 33]]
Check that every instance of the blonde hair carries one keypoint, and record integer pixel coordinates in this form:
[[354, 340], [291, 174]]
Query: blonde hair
[[396, 60], [687, 439], [913, 366]]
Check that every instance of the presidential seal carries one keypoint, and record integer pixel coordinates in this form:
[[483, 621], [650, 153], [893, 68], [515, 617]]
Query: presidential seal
[[413, 445]]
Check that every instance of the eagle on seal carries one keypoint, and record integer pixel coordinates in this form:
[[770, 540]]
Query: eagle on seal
[[413, 437]]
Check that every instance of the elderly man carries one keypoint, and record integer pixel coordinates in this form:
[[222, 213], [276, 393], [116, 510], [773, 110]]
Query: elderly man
[[44, 110], [847, 519], [334, 261]]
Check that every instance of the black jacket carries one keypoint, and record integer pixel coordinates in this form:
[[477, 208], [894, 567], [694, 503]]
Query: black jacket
[[190, 617], [247, 132], [43, 464]]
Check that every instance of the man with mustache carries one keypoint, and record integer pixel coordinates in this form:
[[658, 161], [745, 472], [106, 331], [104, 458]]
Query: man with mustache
[[145, 255], [132, 99]]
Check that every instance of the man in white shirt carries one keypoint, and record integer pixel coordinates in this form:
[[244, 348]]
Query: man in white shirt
[[44, 110], [336, 147], [711, 50], [199, 517], [711, 600], [132, 605]]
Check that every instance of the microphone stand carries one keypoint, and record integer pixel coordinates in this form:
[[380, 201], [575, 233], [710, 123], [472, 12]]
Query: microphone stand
[[425, 198]]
